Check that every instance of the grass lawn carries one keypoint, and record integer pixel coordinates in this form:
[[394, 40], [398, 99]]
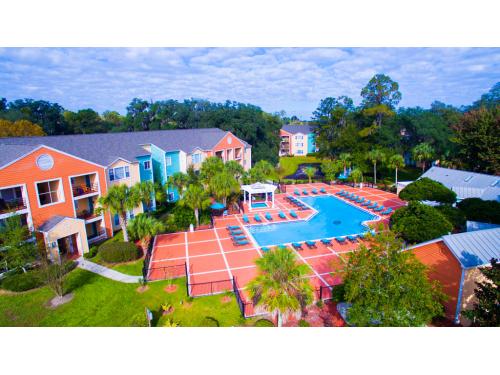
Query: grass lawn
[[291, 163], [102, 302]]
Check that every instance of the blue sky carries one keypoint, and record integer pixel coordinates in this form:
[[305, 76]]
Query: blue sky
[[289, 79]]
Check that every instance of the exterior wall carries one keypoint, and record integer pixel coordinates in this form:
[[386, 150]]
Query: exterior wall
[[308, 143], [189, 159], [227, 145], [174, 167], [311, 143], [67, 228], [134, 178], [25, 171], [247, 163], [471, 276], [159, 168], [145, 174], [445, 268]]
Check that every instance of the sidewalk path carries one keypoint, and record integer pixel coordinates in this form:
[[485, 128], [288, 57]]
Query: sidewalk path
[[106, 272]]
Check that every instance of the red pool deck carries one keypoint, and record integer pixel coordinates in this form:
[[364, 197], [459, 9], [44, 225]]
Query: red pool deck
[[211, 256]]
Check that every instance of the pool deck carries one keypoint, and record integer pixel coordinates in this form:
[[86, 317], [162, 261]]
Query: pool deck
[[211, 256]]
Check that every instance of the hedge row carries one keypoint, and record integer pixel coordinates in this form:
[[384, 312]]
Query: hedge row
[[118, 252]]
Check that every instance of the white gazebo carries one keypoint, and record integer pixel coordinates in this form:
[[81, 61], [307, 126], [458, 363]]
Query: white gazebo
[[258, 188]]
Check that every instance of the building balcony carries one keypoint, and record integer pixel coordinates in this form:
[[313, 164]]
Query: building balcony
[[97, 236], [87, 215], [12, 205], [79, 190]]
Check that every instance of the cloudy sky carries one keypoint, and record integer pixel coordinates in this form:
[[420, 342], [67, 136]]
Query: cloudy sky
[[289, 79]]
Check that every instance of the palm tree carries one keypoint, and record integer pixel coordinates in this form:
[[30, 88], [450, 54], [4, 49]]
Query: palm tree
[[222, 185], [310, 172], [281, 285], [145, 191], [235, 169], [143, 228], [346, 159], [195, 198], [356, 175], [375, 156], [280, 172], [119, 200], [422, 153], [209, 168], [261, 170], [178, 181], [396, 162]]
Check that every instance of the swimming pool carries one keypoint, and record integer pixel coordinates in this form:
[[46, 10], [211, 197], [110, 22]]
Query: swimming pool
[[334, 218], [259, 205]]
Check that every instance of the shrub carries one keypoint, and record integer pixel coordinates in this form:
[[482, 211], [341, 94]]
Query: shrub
[[92, 252], [476, 209], [426, 189], [208, 321], [419, 223], [454, 215], [139, 320], [117, 252], [338, 293], [303, 323], [263, 323], [23, 281], [180, 218]]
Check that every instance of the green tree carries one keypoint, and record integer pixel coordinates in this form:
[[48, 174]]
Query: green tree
[[396, 162], [178, 181], [356, 176], [222, 185], [419, 223], [476, 209], [477, 135], [209, 168], [486, 311], [197, 199], [235, 169], [375, 156], [425, 189], [145, 191], [16, 251], [119, 200], [143, 228], [280, 286], [489, 100], [423, 153], [346, 160], [380, 96], [331, 168], [310, 172], [389, 287], [262, 170], [19, 128]]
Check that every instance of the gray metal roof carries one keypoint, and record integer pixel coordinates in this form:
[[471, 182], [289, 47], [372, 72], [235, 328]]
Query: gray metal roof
[[294, 129], [473, 249], [467, 184], [51, 223], [105, 148]]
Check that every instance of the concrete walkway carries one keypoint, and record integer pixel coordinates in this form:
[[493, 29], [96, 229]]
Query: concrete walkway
[[106, 272]]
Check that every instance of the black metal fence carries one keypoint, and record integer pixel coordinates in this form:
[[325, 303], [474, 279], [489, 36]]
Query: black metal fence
[[209, 288], [246, 308]]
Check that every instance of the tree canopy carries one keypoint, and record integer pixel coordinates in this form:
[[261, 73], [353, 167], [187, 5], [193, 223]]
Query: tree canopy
[[425, 189]]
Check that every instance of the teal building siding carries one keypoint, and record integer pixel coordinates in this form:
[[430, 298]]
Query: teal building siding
[[145, 174], [159, 168], [311, 143], [173, 164]]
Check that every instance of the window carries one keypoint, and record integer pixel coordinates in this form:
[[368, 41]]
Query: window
[[196, 158], [147, 165], [299, 145], [300, 152], [119, 173], [299, 137], [48, 192], [117, 219], [130, 215], [169, 161], [171, 196]]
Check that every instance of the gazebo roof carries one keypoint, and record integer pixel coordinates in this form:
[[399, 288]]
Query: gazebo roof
[[259, 187]]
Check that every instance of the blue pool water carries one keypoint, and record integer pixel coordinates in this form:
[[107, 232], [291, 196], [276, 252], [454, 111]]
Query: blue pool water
[[259, 205], [334, 218]]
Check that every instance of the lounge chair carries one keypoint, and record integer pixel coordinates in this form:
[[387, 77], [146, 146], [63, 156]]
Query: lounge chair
[[372, 206], [360, 200], [240, 237], [339, 192], [305, 192], [233, 227], [314, 191], [264, 249], [340, 239], [326, 241], [293, 214], [367, 203], [387, 212], [353, 197], [282, 215], [296, 192], [245, 219], [241, 243], [322, 190], [379, 208], [297, 246], [268, 216], [282, 247], [352, 237], [311, 244], [257, 218], [236, 232]]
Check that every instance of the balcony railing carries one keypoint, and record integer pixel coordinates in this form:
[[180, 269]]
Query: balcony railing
[[12, 205], [79, 190], [96, 236], [86, 215]]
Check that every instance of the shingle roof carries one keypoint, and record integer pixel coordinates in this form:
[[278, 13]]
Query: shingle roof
[[51, 223], [9, 153], [294, 129], [105, 148], [473, 249], [467, 184]]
